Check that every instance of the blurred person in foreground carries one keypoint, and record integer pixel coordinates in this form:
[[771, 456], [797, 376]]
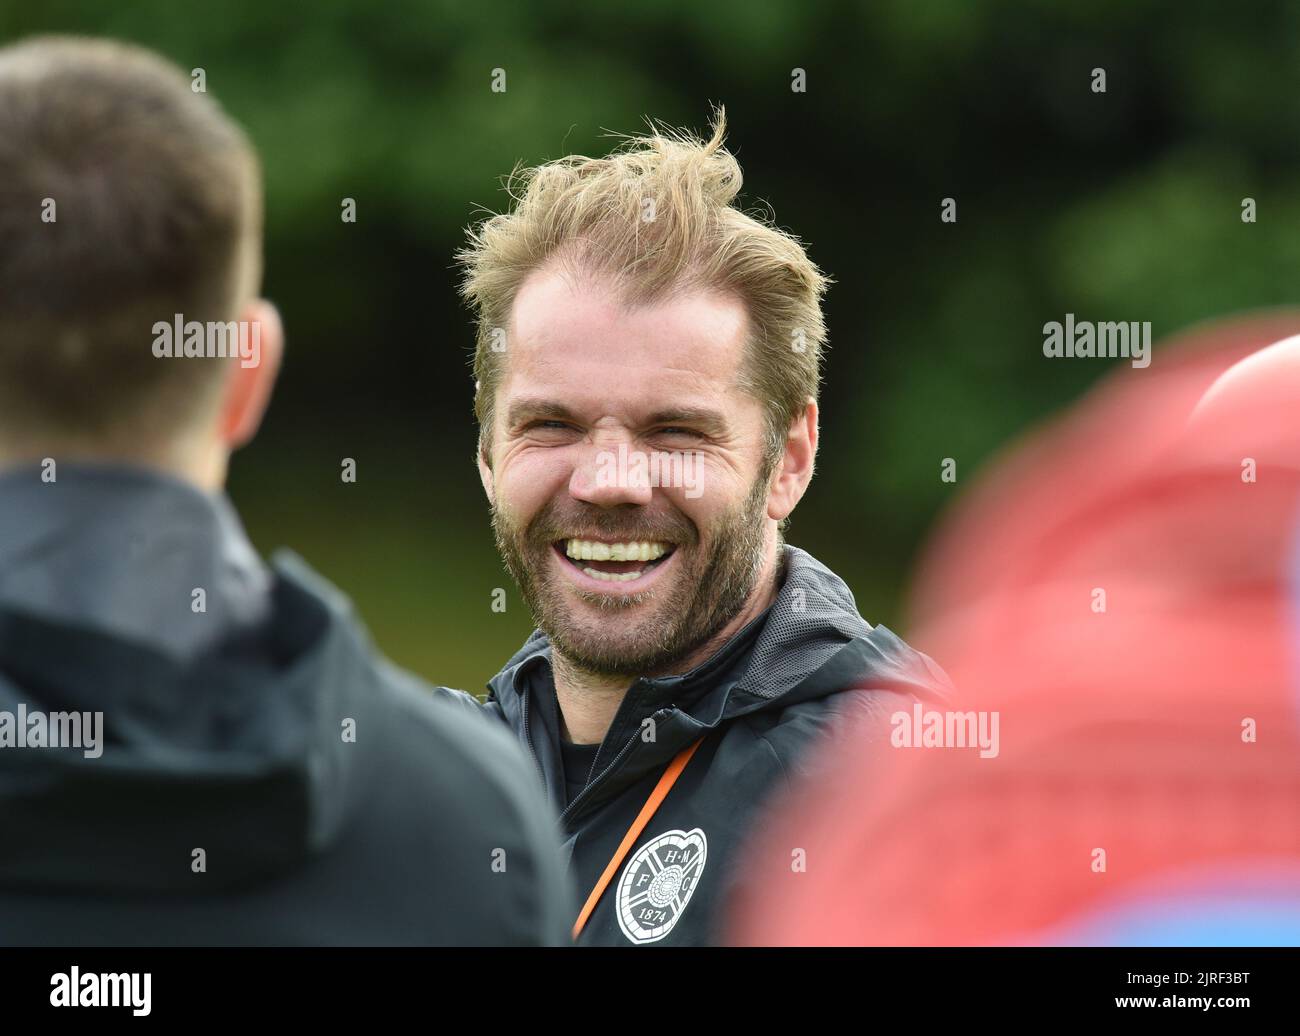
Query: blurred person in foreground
[[1131, 620], [196, 748], [648, 367]]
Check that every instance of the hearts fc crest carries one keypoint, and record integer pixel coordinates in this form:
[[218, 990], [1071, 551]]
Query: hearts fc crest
[[658, 882]]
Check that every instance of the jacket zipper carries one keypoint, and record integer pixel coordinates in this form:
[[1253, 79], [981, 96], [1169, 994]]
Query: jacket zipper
[[592, 783], [582, 795]]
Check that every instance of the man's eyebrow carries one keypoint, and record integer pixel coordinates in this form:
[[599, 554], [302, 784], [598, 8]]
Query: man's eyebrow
[[700, 417], [533, 409]]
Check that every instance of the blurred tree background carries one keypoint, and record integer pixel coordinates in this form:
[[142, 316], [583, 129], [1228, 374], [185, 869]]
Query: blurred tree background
[[1124, 205]]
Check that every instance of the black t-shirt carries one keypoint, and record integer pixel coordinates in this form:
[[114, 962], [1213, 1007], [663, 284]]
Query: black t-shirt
[[577, 760]]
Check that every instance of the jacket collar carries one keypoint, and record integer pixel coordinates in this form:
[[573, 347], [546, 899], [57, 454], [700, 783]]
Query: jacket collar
[[113, 548], [811, 642]]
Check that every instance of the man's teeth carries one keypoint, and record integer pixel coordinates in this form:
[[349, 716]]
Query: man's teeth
[[588, 550], [613, 577]]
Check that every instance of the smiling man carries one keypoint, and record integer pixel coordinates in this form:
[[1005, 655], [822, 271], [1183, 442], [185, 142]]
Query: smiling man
[[685, 657]]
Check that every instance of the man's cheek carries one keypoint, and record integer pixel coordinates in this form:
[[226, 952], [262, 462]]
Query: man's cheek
[[527, 485], [515, 500]]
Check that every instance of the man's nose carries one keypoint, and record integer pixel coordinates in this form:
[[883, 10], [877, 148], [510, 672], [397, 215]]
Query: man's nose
[[611, 473]]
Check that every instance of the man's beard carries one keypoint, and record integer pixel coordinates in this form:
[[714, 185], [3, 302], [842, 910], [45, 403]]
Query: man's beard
[[708, 590]]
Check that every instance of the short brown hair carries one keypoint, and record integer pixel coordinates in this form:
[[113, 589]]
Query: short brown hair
[[590, 213], [157, 204]]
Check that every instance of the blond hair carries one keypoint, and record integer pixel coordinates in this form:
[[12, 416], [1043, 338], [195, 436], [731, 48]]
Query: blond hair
[[656, 217]]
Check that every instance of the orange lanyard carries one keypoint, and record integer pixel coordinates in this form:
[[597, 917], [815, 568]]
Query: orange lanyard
[[657, 796]]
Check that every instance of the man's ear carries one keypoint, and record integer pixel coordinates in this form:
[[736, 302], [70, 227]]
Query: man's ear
[[485, 473], [253, 374], [795, 466]]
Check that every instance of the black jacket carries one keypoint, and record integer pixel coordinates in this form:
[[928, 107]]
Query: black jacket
[[229, 804], [805, 665]]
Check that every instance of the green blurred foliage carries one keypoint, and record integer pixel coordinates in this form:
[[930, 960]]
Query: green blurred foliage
[[1120, 206]]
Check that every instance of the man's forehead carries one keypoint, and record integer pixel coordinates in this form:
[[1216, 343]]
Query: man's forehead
[[561, 328]]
